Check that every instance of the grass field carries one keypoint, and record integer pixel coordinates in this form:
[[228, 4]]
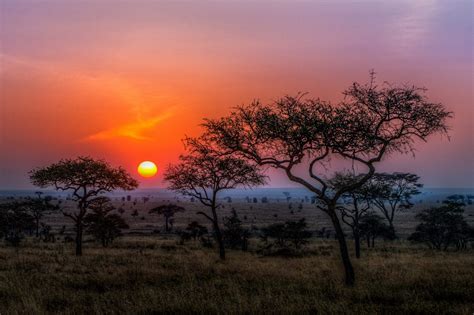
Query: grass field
[[143, 275]]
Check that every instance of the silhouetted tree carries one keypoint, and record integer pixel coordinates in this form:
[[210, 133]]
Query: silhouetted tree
[[372, 226], [288, 234], [167, 211], [87, 179], [234, 234], [370, 123], [39, 207], [204, 172], [393, 192], [355, 204], [14, 222], [196, 230], [442, 227], [101, 223]]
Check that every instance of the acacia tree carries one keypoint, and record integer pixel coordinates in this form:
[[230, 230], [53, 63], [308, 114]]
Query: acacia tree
[[101, 223], [442, 226], [204, 172], [38, 207], [86, 179], [369, 124], [393, 192], [168, 211], [355, 204], [14, 222]]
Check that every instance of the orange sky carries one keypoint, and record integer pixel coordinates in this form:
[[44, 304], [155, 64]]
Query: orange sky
[[125, 81]]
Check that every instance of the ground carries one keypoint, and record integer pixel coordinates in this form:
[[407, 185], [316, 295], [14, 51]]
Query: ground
[[154, 275]]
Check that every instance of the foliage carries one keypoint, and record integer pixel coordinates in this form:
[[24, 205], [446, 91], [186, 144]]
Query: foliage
[[368, 125], [373, 226], [393, 192], [87, 179], [204, 171], [167, 211], [355, 204], [291, 234], [15, 221], [235, 236], [443, 227], [39, 207], [102, 224]]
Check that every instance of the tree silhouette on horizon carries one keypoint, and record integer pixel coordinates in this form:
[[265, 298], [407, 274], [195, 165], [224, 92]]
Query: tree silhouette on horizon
[[370, 123], [87, 179]]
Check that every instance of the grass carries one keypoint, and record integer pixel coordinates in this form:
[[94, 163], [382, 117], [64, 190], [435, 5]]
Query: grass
[[154, 275]]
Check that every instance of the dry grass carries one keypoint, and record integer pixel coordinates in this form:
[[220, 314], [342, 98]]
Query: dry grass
[[152, 275]]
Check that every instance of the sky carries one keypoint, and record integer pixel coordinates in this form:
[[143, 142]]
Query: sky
[[127, 80]]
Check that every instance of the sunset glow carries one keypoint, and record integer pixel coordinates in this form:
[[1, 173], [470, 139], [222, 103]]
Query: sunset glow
[[127, 81]]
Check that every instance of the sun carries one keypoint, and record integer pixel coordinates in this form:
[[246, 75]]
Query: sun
[[147, 169]]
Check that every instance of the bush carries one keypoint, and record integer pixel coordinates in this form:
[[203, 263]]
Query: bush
[[373, 226], [443, 227], [103, 225], [291, 234], [14, 222], [235, 236]]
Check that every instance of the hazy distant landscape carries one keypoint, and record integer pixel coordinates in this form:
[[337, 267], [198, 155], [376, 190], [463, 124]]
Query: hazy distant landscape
[[252, 212]]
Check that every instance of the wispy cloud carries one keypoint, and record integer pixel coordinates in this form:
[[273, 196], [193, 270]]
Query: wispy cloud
[[136, 130], [131, 97]]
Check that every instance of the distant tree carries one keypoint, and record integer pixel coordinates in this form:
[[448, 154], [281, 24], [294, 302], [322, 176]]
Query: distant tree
[[442, 227], [167, 211], [372, 226], [87, 179], [393, 192], [368, 125], [103, 225], [39, 207], [15, 221], [196, 230], [235, 235], [354, 206], [288, 234], [457, 198], [204, 172]]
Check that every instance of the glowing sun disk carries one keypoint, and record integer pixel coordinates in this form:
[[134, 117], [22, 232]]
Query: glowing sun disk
[[147, 169]]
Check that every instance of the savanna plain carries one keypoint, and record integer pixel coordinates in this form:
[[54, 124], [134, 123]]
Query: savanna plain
[[150, 271]]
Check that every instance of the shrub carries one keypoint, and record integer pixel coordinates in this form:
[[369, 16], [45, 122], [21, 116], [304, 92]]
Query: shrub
[[443, 227], [291, 234], [235, 236]]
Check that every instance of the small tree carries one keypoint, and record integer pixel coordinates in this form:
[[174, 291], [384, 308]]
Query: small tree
[[355, 204], [442, 227], [288, 234], [38, 208], [235, 236], [372, 226], [167, 211], [86, 179], [196, 230], [102, 224], [14, 222], [204, 172], [393, 192]]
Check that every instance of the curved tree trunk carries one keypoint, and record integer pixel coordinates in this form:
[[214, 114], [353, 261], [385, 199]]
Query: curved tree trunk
[[346, 260], [220, 241], [79, 239], [217, 232]]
